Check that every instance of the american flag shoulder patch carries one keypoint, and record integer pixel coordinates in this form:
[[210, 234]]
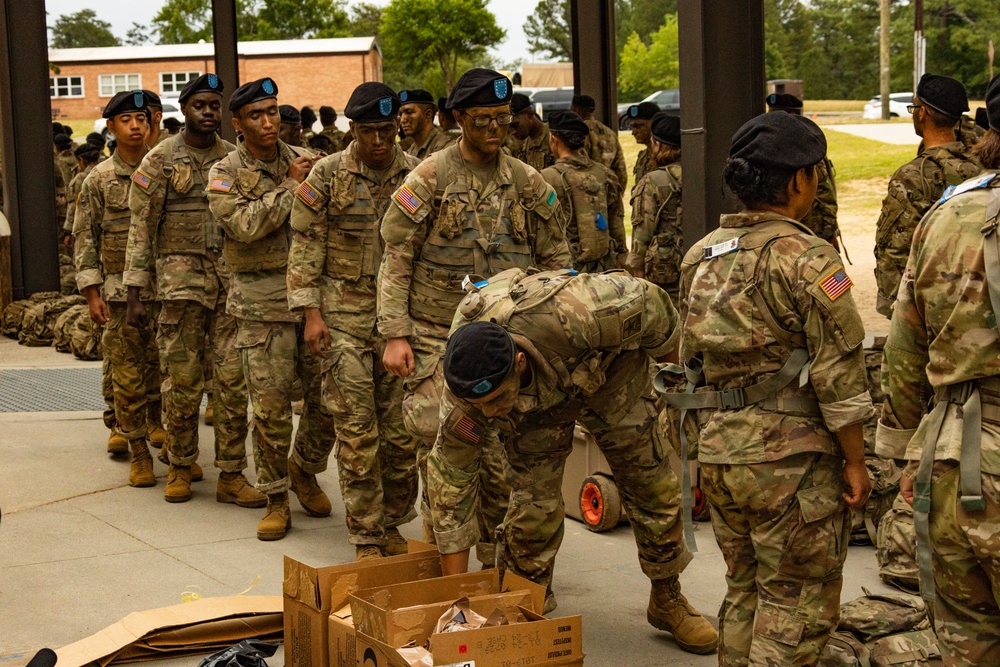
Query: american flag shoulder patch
[[406, 198], [307, 193], [836, 284], [220, 185], [141, 179], [468, 430]]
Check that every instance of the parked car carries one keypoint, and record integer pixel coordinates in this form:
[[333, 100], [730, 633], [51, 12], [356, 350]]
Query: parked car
[[897, 106], [171, 109], [669, 101], [547, 100]]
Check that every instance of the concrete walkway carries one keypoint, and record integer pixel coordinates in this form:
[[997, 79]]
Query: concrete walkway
[[79, 549], [901, 134]]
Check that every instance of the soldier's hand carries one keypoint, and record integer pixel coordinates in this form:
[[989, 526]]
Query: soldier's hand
[[906, 488], [299, 168], [99, 312], [858, 483], [68, 240], [135, 312], [398, 357], [317, 334]]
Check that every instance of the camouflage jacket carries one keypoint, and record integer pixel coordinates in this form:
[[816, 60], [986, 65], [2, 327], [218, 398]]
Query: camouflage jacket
[[801, 282], [336, 136], [913, 189], [657, 229], [101, 225], [584, 189], [644, 163], [67, 164], [72, 195], [822, 217], [535, 151], [602, 146], [169, 200], [252, 202], [439, 229], [968, 132], [435, 141], [573, 367], [943, 331], [336, 251]]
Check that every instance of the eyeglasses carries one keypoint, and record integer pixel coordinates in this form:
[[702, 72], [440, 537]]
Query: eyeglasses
[[911, 107], [484, 121]]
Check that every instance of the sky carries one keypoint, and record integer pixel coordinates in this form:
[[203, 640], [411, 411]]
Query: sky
[[510, 15]]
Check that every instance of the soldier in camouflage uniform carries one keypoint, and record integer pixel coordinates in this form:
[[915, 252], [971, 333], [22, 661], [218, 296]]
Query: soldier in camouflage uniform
[[416, 118], [328, 118], [916, 185], [589, 196], [87, 157], [640, 118], [526, 359], [530, 134], [64, 158], [780, 447], [657, 234], [602, 142], [446, 120], [155, 136], [469, 210], [174, 235], [290, 130], [309, 119], [250, 193], [944, 341], [101, 231], [334, 259]]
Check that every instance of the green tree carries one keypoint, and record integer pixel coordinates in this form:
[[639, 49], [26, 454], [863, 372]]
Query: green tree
[[549, 29], [184, 22], [643, 17], [300, 19], [643, 70], [137, 35], [365, 20], [81, 30], [440, 32]]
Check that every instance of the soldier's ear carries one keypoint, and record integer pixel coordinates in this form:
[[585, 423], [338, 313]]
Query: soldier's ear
[[520, 362]]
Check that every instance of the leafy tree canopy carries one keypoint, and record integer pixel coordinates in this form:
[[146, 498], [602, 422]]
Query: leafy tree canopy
[[81, 30]]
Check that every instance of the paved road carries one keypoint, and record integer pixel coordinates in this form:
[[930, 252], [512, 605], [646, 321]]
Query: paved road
[[891, 133]]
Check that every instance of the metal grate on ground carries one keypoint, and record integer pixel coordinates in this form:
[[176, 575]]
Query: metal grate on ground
[[50, 389]]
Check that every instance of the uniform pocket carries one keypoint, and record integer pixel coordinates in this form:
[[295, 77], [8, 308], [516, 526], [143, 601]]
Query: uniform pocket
[[778, 627]]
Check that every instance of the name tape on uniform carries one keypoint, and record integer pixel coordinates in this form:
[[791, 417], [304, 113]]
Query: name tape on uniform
[[723, 248]]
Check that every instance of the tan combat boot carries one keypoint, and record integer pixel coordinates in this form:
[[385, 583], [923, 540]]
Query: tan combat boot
[[156, 435], [277, 520], [117, 444], [209, 411], [197, 474], [233, 487], [396, 543], [178, 484], [669, 610], [140, 474], [312, 498], [367, 552]]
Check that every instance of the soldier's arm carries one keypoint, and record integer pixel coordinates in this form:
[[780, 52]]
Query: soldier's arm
[[901, 211], [243, 218], [87, 229], [644, 207], [147, 195], [616, 218], [660, 330], [545, 224], [309, 234]]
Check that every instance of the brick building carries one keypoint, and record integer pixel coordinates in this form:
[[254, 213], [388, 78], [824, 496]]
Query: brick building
[[309, 71]]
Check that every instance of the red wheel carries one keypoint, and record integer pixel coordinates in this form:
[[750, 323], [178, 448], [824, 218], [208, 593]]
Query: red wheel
[[600, 505], [699, 509]]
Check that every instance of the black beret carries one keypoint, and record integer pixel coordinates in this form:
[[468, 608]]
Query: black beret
[[327, 114], [519, 102], [479, 357], [206, 83], [97, 139], [442, 104], [87, 148], [666, 129], [62, 141], [57, 128], [480, 87], [642, 111], [289, 114], [308, 116], [416, 96], [261, 89], [171, 123], [993, 103], [944, 94], [982, 118], [568, 122], [152, 99], [779, 140], [585, 102], [67, 130], [126, 101], [372, 102], [784, 101]]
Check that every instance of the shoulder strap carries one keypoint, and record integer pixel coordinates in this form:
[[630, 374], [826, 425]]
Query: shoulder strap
[[168, 155], [441, 174]]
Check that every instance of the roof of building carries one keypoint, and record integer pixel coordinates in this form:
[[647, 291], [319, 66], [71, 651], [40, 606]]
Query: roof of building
[[207, 50]]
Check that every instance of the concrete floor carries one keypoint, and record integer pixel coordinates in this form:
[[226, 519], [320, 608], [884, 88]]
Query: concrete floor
[[79, 549]]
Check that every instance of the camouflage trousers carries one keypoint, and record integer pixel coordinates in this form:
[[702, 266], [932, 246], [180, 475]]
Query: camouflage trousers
[[375, 453], [181, 338], [108, 391], [532, 531], [275, 360], [783, 529], [966, 548], [135, 373]]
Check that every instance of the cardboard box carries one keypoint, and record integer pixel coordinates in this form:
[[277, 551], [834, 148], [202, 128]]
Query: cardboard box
[[310, 593], [343, 639]]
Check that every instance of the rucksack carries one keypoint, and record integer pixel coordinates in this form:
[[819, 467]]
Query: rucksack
[[37, 327], [63, 329], [85, 339], [13, 314], [884, 475], [897, 548]]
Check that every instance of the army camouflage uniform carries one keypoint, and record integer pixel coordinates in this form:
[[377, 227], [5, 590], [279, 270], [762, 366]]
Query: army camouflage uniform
[[67, 164], [336, 136], [101, 229], [822, 217], [968, 132], [602, 146], [535, 151], [586, 188], [588, 340], [436, 140], [943, 342], [335, 255], [657, 232], [772, 471], [644, 163], [913, 189], [174, 235], [252, 201], [72, 195], [443, 225]]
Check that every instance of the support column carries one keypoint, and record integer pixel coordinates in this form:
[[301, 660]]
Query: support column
[[227, 63], [595, 66]]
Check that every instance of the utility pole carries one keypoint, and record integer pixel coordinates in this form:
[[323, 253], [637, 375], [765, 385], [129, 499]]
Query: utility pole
[[919, 43], [884, 60]]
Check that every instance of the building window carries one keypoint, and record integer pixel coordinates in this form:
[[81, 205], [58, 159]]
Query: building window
[[112, 84], [171, 83], [65, 86]]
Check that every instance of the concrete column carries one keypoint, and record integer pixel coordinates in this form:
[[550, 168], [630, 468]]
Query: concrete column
[[595, 63], [227, 63]]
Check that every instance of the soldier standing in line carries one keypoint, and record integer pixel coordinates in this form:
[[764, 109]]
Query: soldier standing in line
[[101, 229], [639, 117], [446, 119], [470, 210], [174, 237], [290, 131], [156, 115], [527, 358], [589, 196], [335, 255], [87, 157], [919, 183], [308, 117], [328, 118], [781, 447], [602, 142], [944, 342], [657, 231], [416, 118], [531, 134], [250, 193], [65, 159]]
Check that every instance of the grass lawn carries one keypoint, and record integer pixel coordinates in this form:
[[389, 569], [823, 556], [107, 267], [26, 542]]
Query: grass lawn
[[81, 128]]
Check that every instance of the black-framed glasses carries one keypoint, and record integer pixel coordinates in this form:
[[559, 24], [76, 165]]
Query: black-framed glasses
[[484, 121], [911, 107]]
